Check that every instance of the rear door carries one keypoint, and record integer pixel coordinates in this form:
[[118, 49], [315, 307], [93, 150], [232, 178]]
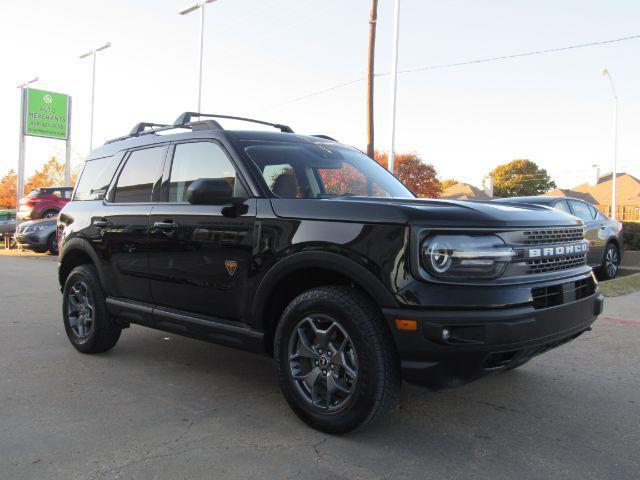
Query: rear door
[[200, 256], [592, 230], [121, 223]]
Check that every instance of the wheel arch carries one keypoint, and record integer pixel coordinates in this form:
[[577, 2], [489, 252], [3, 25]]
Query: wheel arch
[[74, 253], [301, 271]]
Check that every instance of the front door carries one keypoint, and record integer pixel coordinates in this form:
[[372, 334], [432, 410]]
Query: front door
[[200, 255]]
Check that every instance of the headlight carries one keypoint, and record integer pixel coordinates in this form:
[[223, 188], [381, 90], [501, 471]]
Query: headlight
[[465, 256]]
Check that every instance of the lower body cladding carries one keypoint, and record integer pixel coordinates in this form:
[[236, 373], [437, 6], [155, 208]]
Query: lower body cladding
[[448, 348]]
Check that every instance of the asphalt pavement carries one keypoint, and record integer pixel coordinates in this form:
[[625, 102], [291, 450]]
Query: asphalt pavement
[[159, 406]]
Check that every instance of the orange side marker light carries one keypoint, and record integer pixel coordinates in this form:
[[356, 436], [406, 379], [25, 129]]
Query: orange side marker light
[[410, 325]]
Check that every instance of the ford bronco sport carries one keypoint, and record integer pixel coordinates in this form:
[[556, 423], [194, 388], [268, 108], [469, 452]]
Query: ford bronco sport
[[305, 249]]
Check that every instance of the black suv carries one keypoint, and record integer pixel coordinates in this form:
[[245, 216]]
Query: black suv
[[305, 249]]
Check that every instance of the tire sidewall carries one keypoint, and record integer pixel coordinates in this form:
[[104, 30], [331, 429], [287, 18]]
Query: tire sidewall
[[604, 274], [367, 387], [52, 244], [88, 276]]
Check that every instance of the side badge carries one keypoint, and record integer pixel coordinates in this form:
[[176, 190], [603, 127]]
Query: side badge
[[231, 266]]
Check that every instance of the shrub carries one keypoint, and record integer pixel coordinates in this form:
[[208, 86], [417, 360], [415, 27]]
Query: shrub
[[631, 235]]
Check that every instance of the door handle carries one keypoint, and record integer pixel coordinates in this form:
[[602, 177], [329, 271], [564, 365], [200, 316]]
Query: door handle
[[168, 225], [101, 222]]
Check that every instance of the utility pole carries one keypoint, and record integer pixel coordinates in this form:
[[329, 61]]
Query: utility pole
[[394, 82], [372, 50]]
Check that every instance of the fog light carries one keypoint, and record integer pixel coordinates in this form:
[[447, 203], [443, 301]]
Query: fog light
[[445, 334]]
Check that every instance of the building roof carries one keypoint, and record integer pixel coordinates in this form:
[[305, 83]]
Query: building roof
[[627, 186], [464, 191]]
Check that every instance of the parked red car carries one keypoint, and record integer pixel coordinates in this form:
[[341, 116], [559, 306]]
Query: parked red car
[[44, 202]]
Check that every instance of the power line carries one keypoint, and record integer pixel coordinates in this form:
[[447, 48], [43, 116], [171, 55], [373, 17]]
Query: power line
[[458, 64]]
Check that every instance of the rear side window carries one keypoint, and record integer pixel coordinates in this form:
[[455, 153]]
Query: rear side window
[[581, 210], [140, 173], [195, 160], [95, 178], [563, 206]]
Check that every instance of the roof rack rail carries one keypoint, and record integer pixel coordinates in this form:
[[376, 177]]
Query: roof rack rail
[[142, 126], [326, 137], [186, 117]]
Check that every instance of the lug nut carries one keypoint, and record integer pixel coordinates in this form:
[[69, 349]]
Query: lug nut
[[332, 367], [324, 372], [316, 363], [319, 350], [328, 354]]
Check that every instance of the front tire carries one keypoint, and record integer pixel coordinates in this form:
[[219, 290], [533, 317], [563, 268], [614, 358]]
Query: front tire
[[610, 263], [337, 364], [88, 325], [52, 244]]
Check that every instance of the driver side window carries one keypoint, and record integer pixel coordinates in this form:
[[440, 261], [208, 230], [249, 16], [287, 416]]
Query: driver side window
[[195, 160]]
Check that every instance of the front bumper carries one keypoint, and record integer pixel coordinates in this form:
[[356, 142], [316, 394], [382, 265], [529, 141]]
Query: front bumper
[[453, 347], [31, 241]]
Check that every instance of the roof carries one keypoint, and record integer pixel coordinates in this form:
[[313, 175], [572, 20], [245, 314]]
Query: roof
[[464, 191], [627, 186], [531, 199]]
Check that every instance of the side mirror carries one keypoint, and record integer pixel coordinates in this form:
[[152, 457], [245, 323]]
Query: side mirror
[[210, 191]]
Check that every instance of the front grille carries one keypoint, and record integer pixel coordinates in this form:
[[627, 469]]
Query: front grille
[[544, 297], [545, 265], [552, 235]]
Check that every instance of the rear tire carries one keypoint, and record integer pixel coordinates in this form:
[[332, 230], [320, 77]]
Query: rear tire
[[337, 363], [610, 263], [88, 325]]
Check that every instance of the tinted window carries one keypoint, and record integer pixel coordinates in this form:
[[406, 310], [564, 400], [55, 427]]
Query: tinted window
[[192, 161], [581, 210], [136, 179], [564, 206], [325, 171], [281, 180], [95, 178]]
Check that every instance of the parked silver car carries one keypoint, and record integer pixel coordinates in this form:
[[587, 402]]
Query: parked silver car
[[38, 235], [604, 234], [7, 222]]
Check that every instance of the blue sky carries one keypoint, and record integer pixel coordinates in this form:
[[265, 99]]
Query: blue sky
[[555, 109]]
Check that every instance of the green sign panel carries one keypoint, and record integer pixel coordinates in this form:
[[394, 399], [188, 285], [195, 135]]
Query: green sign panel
[[47, 114]]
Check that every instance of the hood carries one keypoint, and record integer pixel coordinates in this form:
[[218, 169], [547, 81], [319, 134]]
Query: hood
[[427, 212], [44, 222]]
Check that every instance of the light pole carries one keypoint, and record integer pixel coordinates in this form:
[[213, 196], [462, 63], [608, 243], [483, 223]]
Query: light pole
[[92, 53], [196, 6], [394, 82], [606, 73], [24, 88]]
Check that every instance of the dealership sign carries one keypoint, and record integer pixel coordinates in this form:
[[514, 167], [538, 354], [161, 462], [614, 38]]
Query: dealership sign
[[47, 114]]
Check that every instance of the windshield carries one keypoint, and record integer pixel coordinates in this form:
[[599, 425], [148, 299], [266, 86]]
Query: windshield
[[298, 170], [35, 193]]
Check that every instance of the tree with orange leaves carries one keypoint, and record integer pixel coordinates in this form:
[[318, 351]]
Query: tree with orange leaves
[[8, 189], [421, 178]]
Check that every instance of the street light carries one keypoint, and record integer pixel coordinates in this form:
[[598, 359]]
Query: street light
[[92, 53], [26, 84], [196, 6], [394, 83], [606, 73]]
